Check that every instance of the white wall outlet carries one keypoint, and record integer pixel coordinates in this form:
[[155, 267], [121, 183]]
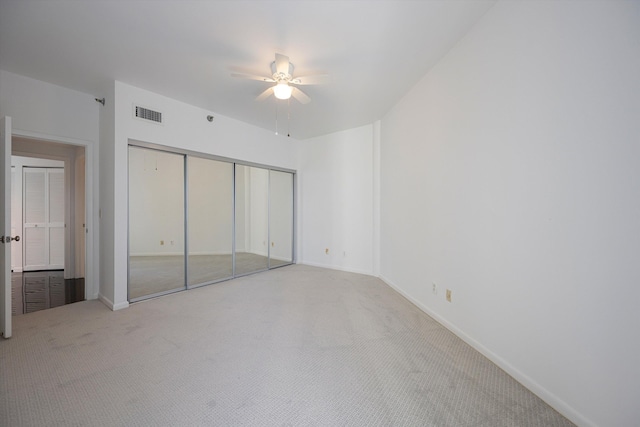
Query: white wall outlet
[[434, 288]]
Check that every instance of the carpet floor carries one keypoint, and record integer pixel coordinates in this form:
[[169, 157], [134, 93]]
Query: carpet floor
[[297, 345]]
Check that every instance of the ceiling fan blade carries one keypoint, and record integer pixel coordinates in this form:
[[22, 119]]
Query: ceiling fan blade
[[300, 96], [264, 95], [252, 77], [282, 64], [316, 79]]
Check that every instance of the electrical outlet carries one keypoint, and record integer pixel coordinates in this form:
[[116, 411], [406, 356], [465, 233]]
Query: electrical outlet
[[449, 295], [435, 288], [326, 251]]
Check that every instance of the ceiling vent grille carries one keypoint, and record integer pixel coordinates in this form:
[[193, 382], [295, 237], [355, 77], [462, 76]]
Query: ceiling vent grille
[[147, 114]]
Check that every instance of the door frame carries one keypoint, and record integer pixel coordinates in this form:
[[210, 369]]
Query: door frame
[[90, 203], [5, 223]]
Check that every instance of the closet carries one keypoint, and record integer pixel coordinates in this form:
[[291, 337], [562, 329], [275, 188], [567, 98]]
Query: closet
[[196, 220]]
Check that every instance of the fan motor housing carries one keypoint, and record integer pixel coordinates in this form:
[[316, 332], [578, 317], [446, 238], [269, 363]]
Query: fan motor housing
[[274, 71]]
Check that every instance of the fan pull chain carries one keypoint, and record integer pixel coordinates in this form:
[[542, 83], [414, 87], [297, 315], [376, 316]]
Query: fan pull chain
[[276, 104]]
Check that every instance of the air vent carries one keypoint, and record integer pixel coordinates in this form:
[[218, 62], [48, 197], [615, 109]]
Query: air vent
[[147, 114]]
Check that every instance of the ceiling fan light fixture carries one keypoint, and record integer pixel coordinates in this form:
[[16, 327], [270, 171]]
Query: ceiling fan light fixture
[[282, 90]]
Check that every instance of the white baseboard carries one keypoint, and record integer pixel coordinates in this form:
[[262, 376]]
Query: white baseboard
[[210, 253], [106, 301], [158, 254], [336, 267], [280, 258], [550, 398]]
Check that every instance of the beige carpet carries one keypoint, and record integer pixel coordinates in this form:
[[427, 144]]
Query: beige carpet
[[298, 346]]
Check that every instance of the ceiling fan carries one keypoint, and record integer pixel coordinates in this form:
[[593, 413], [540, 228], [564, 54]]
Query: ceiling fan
[[282, 76]]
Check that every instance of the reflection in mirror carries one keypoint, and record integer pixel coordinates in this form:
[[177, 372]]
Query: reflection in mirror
[[280, 218], [210, 220], [156, 222], [252, 213]]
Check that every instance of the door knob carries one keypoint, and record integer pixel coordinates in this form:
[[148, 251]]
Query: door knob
[[17, 238], [8, 239]]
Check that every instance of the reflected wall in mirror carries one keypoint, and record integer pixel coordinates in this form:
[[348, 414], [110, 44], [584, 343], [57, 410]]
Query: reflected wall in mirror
[[210, 220], [156, 222], [280, 218], [252, 216]]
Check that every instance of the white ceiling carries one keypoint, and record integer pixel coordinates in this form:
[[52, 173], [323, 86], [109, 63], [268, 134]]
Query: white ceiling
[[374, 51]]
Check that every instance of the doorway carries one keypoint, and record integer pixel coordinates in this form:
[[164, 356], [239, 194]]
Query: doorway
[[48, 212]]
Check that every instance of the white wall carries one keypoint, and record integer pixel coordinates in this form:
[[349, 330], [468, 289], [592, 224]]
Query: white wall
[[48, 112], [510, 175], [184, 127], [108, 171], [43, 108], [335, 197]]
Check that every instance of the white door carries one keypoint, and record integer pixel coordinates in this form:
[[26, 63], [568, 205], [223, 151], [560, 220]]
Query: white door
[[5, 223], [43, 236]]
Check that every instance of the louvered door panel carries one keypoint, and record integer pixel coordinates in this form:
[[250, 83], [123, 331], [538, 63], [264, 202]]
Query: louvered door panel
[[56, 196], [34, 195], [43, 219], [35, 248], [56, 247]]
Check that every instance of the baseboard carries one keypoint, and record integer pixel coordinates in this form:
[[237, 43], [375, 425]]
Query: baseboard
[[551, 399], [158, 254], [210, 253], [106, 301], [152, 254], [278, 258], [336, 267]]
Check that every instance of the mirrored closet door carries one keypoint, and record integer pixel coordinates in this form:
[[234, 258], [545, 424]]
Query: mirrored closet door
[[156, 222], [196, 220], [252, 219], [210, 220], [280, 218]]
